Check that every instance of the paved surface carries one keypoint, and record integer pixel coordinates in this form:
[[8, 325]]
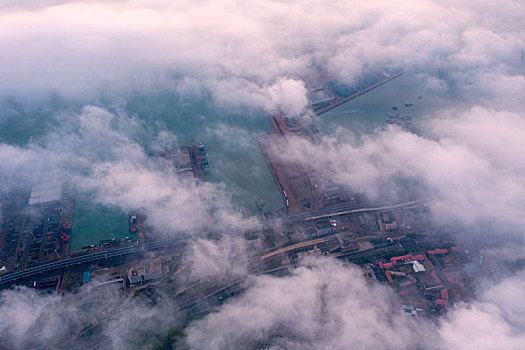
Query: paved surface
[[13, 276], [345, 209]]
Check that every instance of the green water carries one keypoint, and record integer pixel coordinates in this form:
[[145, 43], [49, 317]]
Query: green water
[[230, 138], [233, 153], [367, 112], [234, 156], [95, 222]]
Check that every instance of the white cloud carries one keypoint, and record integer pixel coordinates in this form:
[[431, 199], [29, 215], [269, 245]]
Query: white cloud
[[322, 305], [249, 54], [327, 305], [494, 321], [30, 319], [224, 258], [96, 151], [467, 165], [255, 54]]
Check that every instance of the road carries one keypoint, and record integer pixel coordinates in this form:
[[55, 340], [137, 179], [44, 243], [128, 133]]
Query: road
[[13, 276], [345, 209], [292, 247], [89, 258]]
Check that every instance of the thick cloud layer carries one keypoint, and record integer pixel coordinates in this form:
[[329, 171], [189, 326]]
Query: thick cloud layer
[[494, 321], [249, 53], [98, 152], [467, 165], [52, 321], [225, 258], [257, 54], [323, 305], [326, 305]]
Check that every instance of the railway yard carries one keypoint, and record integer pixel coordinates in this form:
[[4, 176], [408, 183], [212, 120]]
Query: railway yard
[[393, 244]]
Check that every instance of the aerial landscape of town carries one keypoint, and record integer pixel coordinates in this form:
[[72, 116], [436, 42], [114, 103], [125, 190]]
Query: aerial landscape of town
[[262, 175]]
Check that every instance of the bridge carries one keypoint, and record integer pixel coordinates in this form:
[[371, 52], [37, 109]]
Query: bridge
[[89, 258], [364, 206]]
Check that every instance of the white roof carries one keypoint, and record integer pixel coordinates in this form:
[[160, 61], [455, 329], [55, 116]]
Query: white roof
[[418, 267], [44, 193]]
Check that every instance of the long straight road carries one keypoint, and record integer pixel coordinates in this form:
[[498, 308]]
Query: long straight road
[[13, 276], [344, 209]]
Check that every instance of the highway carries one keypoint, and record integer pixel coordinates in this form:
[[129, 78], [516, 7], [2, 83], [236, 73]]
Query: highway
[[359, 207], [345, 209], [13, 276]]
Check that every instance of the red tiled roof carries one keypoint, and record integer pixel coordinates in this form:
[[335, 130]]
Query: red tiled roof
[[403, 257], [437, 251], [389, 277], [444, 294]]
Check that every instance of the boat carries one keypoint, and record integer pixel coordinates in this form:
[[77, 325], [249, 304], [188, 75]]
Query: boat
[[203, 157], [132, 223]]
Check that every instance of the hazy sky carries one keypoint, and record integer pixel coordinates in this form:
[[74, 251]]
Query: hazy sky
[[256, 55]]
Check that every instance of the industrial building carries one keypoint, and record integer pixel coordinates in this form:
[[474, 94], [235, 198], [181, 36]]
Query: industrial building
[[38, 232], [140, 275]]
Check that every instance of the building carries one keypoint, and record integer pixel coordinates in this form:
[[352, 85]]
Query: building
[[418, 267], [325, 230], [45, 193], [145, 274]]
